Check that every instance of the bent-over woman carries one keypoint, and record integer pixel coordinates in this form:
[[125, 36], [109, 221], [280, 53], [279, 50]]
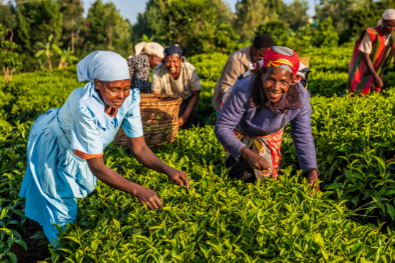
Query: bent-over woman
[[251, 122], [65, 145], [372, 54], [178, 77], [147, 55]]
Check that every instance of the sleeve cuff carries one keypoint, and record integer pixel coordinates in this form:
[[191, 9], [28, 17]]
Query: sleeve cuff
[[310, 169], [87, 156]]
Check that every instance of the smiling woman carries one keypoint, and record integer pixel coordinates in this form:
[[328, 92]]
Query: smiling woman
[[177, 77], [256, 109], [65, 145]]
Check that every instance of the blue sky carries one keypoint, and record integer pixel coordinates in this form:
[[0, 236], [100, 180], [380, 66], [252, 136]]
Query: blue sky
[[130, 8]]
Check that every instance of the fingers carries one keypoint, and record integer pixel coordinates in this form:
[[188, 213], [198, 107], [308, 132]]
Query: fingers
[[150, 198], [158, 202], [153, 203], [178, 181], [185, 178], [181, 179], [261, 164]]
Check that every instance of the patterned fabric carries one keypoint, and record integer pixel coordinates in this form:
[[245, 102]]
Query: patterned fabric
[[139, 69], [301, 75], [226, 95], [173, 50], [269, 148], [282, 57], [360, 81]]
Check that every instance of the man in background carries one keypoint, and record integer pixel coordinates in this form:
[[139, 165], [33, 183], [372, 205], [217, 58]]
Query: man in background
[[238, 63]]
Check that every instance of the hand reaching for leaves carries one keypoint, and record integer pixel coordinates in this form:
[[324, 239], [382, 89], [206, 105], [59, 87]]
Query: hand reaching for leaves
[[148, 197], [312, 178], [179, 177]]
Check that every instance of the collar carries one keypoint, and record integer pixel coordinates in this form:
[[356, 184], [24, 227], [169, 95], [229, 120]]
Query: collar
[[290, 100], [91, 99]]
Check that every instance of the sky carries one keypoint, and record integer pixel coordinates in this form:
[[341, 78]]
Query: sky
[[130, 8]]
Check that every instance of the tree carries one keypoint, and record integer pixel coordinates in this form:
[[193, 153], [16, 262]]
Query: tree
[[9, 60], [198, 26], [339, 11], [325, 34], [276, 29], [250, 14], [45, 51], [72, 11], [66, 57], [36, 22], [295, 14], [7, 15], [106, 29]]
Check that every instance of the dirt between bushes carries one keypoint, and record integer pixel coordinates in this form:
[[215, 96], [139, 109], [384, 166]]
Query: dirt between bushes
[[35, 251]]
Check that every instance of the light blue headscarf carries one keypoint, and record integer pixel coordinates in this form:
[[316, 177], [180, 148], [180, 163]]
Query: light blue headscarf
[[105, 66]]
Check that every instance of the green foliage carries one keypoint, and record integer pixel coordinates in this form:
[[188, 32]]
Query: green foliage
[[250, 14], [72, 11], [66, 57], [198, 26], [295, 14], [325, 34], [45, 51], [339, 11], [217, 220], [9, 60], [106, 30], [7, 15], [12, 149], [276, 29], [36, 22]]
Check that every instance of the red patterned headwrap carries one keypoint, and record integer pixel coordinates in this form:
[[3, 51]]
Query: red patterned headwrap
[[282, 57]]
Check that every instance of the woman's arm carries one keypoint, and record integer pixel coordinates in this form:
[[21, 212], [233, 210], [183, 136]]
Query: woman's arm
[[146, 157], [304, 142], [229, 117], [191, 106], [113, 179], [369, 65]]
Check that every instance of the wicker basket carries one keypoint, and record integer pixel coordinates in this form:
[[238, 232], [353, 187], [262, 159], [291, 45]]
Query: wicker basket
[[305, 61], [159, 115]]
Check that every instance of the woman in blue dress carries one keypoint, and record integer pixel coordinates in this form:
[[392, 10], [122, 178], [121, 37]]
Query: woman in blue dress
[[65, 145]]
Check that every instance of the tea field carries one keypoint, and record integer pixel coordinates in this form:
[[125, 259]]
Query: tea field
[[218, 220]]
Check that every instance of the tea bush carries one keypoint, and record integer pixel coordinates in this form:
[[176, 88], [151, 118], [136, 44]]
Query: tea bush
[[219, 220]]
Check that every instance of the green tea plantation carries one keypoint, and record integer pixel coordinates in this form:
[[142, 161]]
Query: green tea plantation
[[219, 220]]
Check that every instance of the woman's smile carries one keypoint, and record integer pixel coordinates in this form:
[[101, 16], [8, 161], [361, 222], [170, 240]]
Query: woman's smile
[[276, 82], [274, 95]]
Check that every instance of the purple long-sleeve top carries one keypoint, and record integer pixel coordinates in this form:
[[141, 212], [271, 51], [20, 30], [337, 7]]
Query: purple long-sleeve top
[[239, 115]]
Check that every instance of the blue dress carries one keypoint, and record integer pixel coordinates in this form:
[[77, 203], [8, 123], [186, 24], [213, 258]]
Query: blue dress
[[59, 141]]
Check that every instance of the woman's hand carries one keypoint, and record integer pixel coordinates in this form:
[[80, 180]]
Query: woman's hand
[[180, 121], [148, 197], [379, 81], [113, 179], [178, 176], [254, 159], [312, 178]]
